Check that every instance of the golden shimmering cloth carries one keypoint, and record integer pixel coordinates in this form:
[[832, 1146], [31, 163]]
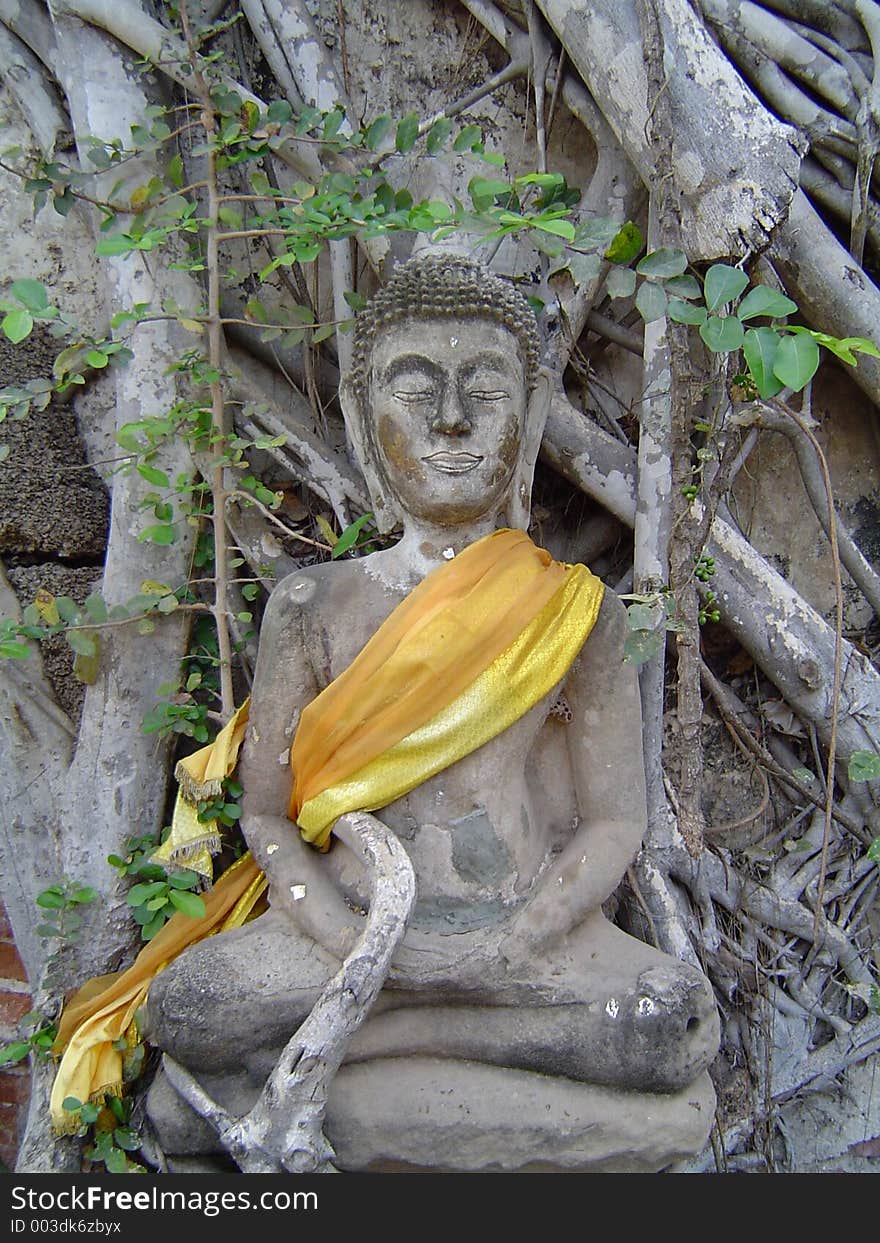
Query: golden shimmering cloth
[[192, 842], [101, 1015], [466, 654]]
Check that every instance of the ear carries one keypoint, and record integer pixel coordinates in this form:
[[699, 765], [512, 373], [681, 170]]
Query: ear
[[519, 505], [384, 507]]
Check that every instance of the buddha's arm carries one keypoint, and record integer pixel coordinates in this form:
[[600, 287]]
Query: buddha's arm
[[283, 685], [605, 743]]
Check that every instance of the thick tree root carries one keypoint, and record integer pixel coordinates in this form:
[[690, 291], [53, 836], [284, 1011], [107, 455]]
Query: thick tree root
[[283, 1131]]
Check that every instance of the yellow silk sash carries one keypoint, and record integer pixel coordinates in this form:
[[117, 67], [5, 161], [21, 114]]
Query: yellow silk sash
[[467, 653]]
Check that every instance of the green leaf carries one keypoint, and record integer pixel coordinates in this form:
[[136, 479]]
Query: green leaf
[[51, 899], [139, 894], [376, 132], [117, 244], [722, 334], [620, 282], [279, 112], [874, 856], [70, 1104], [722, 284], [797, 361], [115, 1160], [162, 533], [641, 645], [83, 895], [627, 243], [467, 137], [175, 171], [183, 880], [437, 135], [584, 268], [97, 359], [651, 301], [68, 609], [684, 287], [407, 133], [83, 644], [348, 538], [662, 264], [861, 345], [14, 1052], [17, 325], [153, 475], [591, 234], [30, 294], [765, 301], [13, 649], [332, 124], [844, 348], [188, 903], [864, 766], [641, 617], [437, 210], [484, 191], [127, 1139], [152, 926], [87, 668], [555, 226], [684, 313], [759, 347]]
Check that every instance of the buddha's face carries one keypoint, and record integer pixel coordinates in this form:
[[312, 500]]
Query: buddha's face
[[448, 404]]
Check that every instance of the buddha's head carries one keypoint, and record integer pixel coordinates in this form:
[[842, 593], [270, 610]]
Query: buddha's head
[[446, 401]]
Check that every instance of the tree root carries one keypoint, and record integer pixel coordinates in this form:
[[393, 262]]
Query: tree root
[[283, 1131]]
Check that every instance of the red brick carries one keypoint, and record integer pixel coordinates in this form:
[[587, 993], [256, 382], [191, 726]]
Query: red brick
[[13, 1007], [15, 1088], [11, 966], [12, 1119]]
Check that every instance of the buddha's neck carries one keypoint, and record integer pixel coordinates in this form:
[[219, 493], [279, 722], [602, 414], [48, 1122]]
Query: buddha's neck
[[424, 546]]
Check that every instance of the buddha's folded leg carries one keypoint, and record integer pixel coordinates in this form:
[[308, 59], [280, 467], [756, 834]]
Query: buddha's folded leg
[[438, 1113], [600, 1008], [235, 992]]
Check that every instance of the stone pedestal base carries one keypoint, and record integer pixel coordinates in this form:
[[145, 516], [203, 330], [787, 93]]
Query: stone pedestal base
[[417, 1114]]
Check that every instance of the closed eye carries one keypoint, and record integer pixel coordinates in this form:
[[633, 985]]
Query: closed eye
[[410, 398], [493, 395]]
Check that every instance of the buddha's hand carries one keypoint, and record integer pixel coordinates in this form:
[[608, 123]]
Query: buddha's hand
[[526, 937]]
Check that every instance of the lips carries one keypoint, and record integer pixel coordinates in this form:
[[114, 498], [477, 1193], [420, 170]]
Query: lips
[[453, 463]]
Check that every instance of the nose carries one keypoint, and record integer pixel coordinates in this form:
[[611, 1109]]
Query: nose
[[450, 417]]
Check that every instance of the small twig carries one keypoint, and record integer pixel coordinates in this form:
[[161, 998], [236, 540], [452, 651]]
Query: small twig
[[267, 513]]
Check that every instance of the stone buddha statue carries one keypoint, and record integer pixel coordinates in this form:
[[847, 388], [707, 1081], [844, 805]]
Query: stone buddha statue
[[517, 1028]]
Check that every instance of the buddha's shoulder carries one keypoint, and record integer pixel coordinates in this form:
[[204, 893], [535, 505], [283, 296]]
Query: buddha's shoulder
[[334, 586]]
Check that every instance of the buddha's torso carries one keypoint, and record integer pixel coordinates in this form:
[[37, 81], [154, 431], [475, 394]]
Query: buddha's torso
[[479, 832]]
